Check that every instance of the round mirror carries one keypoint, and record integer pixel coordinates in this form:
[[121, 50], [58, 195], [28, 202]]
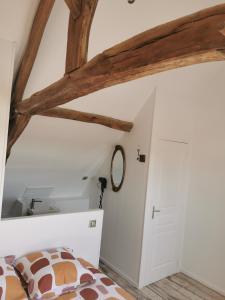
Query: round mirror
[[118, 166]]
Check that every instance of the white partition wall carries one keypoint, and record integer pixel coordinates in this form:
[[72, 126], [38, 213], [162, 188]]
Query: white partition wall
[[124, 211], [24, 235]]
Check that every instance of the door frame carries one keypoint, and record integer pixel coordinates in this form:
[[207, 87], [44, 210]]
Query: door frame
[[147, 222]]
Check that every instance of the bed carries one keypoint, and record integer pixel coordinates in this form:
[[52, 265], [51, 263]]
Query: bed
[[79, 236], [55, 274], [103, 289]]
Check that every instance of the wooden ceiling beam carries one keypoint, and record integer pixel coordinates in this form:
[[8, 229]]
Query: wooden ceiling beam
[[78, 32], [74, 7], [70, 114], [193, 39]]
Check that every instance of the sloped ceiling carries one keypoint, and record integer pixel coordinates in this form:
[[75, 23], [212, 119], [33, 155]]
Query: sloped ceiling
[[53, 152]]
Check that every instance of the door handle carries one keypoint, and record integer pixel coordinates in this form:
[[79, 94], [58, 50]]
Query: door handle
[[154, 210]]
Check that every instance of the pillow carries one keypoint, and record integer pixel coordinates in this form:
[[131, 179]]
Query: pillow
[[10, 286], [53, 272]]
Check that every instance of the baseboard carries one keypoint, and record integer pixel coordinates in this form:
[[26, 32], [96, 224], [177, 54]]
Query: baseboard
[[117, 270], [202, 281]]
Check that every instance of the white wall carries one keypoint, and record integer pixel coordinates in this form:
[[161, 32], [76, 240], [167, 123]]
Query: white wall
[[7, 52], [188, 109], [198, 119], [24, 235], [204, 243], [124, 210], [93, 189], [171, 121]]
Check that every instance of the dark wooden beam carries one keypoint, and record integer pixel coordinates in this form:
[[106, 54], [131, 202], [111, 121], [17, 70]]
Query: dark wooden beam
[[78, 33], [37, 30], [74, 7], [88, 118], [193, 39]]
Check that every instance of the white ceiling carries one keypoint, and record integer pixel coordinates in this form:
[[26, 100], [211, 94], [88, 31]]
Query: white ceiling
[[72, 148]]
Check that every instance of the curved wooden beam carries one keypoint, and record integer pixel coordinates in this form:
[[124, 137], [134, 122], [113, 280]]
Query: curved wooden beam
[[193, 39], [70, 114], [78, 33], [74, 7]]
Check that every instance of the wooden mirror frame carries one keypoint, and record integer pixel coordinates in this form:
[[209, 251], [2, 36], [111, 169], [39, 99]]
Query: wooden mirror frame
[[114, 187]]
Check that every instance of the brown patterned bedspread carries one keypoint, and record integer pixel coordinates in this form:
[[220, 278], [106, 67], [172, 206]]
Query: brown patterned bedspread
[[103, 289]]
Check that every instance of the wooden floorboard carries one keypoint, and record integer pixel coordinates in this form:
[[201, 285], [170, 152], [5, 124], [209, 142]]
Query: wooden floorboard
[[176, 287]]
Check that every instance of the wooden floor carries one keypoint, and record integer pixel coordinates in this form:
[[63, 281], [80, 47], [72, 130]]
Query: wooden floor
[[176, 287]]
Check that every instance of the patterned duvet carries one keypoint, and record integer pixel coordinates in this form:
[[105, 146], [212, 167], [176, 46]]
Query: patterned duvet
[[103, 289]]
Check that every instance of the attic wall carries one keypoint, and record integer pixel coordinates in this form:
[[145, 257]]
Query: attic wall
[[191, 109], [204, 242], [124, 210], [7, 52]]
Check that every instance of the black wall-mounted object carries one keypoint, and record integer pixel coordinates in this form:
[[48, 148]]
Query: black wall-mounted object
[[141, 157], [103, 183]]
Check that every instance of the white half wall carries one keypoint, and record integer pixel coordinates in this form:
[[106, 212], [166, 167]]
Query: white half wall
[[124, 210], [24, 235]]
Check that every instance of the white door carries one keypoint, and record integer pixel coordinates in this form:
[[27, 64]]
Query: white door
[[166, 196]]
